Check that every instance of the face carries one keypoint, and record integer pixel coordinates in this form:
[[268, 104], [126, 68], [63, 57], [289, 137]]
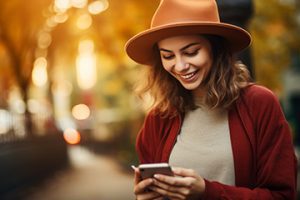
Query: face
[[188, 58]]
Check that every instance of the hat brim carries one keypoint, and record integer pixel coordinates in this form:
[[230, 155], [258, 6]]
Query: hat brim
[[140, 47]]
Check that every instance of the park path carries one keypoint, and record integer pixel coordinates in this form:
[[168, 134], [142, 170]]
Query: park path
[[90, 177]]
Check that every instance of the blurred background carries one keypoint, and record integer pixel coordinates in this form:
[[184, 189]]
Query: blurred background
[[68, 115]]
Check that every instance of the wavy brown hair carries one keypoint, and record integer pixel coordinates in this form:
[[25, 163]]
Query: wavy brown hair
[[224, 82]]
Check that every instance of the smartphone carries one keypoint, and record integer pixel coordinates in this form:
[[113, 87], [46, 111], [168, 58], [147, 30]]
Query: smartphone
[[148, 170]]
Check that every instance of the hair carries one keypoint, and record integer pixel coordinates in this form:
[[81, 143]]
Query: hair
[[226, 78]]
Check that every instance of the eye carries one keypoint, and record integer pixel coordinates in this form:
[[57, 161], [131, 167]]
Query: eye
[[167, 57], [191, 53]]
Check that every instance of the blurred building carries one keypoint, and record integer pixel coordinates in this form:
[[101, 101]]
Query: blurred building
[[291, 99], [239, 13]]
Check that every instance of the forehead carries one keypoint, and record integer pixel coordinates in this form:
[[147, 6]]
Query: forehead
[[180, 41]]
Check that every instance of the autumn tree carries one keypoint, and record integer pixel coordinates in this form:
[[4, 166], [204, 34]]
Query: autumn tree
[[275, 32], [20, 22]]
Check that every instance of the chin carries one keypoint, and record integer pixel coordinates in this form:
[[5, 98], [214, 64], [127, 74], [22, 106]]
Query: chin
[[191, 86]]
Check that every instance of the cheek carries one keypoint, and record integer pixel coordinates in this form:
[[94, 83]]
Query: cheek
[[167, 66], [204, 60]]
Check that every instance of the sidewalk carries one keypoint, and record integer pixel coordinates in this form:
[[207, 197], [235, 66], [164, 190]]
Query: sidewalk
[[91, 177]]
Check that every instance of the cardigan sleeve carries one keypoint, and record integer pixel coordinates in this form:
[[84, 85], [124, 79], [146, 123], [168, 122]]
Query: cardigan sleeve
[[275, 159], [144, 141], [149, 138]]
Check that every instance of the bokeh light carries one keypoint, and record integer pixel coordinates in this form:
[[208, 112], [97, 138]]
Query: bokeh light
[[81, 112], [78, 3], [60, 18], [62, 5], [5, 121], [44, 40], [39, 73], [97, 7], [72, 136], [86, 65]]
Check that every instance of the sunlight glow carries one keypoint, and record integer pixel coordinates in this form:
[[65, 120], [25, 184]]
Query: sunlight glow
[[39, 73], [81, 112], [19, 106], [84, 21], [33, 106], [16, 104], [86, 46], [97, 7], [5, 121], [86, 65], [62, 88]]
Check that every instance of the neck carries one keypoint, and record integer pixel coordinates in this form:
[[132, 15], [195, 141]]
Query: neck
[[199, 95]]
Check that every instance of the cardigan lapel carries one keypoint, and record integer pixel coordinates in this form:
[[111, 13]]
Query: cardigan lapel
[[242, 149]]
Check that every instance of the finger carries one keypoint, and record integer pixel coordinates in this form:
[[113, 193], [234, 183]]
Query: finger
[[164, 186], [170, 194], [137, 175], [184, 172], [183, 190], [174, 181], [142, 186], [159, 198], [148, 196]]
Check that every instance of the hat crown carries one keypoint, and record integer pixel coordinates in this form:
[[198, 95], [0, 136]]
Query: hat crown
[[182, 11]]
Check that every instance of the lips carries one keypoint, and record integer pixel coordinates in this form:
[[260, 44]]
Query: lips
[[188, 77]]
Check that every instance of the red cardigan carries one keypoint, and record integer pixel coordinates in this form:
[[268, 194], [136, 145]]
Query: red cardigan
[[264, 159]]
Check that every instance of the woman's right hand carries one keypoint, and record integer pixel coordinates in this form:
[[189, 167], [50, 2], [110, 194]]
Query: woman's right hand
[[141, 190]]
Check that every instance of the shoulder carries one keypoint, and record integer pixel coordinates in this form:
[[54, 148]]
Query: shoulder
[[257, 92], [258, 95], [260, 101]]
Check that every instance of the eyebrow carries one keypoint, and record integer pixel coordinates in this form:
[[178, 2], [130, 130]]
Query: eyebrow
[[183, 48]]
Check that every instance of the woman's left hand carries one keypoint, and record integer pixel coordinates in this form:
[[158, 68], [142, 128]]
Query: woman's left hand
[[185, 184]]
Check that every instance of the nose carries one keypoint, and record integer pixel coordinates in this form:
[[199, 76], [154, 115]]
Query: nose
[[181, 65]]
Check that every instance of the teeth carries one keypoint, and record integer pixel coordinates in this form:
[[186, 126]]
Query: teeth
[[187, 76]]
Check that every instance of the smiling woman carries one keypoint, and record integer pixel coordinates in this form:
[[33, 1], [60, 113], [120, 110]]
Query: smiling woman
[[221, 132]]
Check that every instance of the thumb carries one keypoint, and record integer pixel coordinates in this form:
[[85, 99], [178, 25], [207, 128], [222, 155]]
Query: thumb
[[137, 175]]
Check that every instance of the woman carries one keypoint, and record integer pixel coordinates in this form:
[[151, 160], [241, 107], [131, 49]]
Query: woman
[[227, 136]]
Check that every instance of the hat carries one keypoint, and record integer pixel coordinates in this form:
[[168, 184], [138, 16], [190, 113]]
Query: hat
[[183, 17]]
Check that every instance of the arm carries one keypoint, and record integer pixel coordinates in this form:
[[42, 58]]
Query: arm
[[275, 179], [145, 147], [146, 141]]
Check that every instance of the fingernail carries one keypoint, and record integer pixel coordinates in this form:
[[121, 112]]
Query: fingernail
[[133, 167], [156, 176]]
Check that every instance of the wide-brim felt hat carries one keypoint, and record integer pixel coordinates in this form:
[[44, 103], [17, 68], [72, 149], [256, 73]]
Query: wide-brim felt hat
[[184, 17]]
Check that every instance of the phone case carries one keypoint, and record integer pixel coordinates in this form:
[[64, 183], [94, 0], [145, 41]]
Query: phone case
[[148, 170]]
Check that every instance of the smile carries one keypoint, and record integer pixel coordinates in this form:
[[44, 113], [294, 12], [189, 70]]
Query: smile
[[189, 76]]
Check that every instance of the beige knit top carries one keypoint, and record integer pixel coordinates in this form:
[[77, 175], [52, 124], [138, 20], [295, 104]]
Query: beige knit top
[[204, 145]]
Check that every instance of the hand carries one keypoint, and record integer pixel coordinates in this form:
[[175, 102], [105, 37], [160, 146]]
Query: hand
[[141, 188], [186, 184]]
